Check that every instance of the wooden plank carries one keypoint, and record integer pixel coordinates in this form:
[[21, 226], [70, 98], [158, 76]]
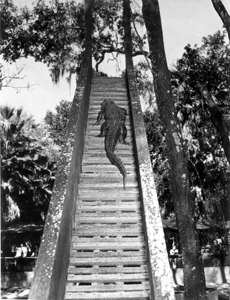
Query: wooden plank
[[108, 246], [94, 131], [106, 220], [108, 168], [103, 80], [109, 209], [89, 160], [95, 253], [117, 151], [108, 216], [101, 201], [100, 141], [108, 261], [117, 184], [109, 92], [130, 193], [96, 239], [99, 147], [102, 207], [107, 277], [110, 229], [108, 270], [116, 84], [124, 295], [113, 194], [111, 97], [132, 204], [111, 287], [108, 202], [102, 178], [107, 232], [105, 90], [99, 154]]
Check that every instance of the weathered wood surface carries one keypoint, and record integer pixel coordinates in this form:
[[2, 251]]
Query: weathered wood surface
[[124, 295], [108, 257]]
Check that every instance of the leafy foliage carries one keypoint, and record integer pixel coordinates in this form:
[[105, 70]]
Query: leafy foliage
[[51, 33], [207, 164], [54, 33], [27, 175], [57, 122], [209, 65], [145, 85]]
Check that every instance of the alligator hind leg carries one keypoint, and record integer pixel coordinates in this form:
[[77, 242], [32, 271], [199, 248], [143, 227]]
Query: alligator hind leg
[[123, 135]]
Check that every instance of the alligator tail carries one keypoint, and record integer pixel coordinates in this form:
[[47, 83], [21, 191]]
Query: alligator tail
[[118, 163]]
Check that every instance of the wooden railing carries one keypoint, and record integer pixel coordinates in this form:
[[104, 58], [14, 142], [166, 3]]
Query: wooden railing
[[160, 275], [53, 258]]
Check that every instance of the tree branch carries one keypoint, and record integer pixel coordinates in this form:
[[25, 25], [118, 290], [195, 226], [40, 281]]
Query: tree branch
[[119, 51], [142, 50], [223, 14], [6, 80]]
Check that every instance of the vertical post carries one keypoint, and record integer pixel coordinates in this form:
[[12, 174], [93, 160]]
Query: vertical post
[[160, 274], [128, 36], [88, 25]]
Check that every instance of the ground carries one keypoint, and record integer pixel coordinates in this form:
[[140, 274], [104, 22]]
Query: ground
[[22, 293]]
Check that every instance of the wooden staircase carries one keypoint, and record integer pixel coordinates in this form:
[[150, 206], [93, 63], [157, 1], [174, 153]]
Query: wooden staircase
[[108, 252]]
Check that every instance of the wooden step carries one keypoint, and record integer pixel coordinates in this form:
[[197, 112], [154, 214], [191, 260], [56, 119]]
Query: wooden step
[[113, 287], [99, 239], [108, 92], [111, 194], [107, 277], [123, 295], [107, 270], [109, 207], [108, 261], [76, 253]]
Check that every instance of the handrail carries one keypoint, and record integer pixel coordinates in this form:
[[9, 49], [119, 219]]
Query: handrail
[[53, 259], [160, 275], [51, 269]]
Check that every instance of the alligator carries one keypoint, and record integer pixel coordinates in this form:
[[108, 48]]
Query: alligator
[[114, 130]]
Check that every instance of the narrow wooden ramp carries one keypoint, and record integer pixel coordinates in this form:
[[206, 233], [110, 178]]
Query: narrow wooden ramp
[[108, 254]]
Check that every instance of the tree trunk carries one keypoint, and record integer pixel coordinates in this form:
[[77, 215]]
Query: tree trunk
[[223, 14], [194, 280]]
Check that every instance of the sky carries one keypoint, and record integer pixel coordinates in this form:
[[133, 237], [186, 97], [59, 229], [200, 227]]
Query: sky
[[183, 21]]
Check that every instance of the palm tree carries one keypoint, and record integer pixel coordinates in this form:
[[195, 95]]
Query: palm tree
[[27, 175]]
